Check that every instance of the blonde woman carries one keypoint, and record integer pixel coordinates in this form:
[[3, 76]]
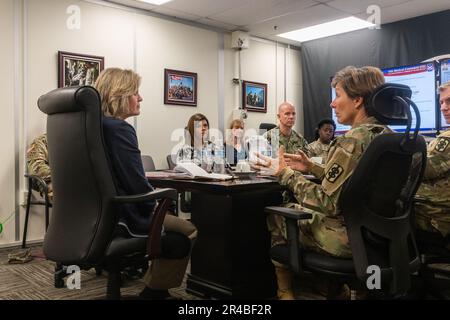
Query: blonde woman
[[120, 98], [235, 146]]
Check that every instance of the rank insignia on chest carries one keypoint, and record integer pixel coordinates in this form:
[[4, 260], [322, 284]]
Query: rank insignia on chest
[[442, 145], [334, 173]]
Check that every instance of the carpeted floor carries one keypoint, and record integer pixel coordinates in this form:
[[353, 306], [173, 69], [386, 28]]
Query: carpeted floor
[[34, 281]]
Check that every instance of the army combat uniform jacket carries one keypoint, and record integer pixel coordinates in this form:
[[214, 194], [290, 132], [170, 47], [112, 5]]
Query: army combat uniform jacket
[[291, 144], [326, 231], [37, 161], [319, 149], [432, 208]]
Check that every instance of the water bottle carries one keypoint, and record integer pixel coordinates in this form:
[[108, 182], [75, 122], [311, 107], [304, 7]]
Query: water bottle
[[219, 157], [268, 150], [207, 160]]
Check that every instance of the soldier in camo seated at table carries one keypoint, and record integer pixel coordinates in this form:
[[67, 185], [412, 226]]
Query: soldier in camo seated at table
[[432, 208], [37, 162], [326, 231]]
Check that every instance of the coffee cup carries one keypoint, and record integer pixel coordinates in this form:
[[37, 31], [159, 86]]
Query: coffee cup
[[243, 166]]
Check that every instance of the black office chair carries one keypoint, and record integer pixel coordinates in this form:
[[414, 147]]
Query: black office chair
[[170, 162], [84, 230], [147, 162], [376, 203], [264, 127], [39, 185]]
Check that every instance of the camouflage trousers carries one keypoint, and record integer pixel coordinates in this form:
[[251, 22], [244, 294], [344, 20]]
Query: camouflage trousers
[[323, 234], [432, 218]]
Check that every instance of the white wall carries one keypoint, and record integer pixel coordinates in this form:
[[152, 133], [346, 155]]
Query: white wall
[[165, 44], [7, 127], [127, 39], [266, 62]]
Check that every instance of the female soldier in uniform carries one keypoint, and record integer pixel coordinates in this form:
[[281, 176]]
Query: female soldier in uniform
[[326, 231]]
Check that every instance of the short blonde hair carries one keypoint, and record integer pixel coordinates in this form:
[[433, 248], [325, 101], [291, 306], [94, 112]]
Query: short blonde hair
[[444, 86], [115, 86], [359, 82], [238, 122]]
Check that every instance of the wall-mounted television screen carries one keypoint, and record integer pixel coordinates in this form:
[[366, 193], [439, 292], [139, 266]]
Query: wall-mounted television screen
[[445, 77], [421, 78], [340, 128]]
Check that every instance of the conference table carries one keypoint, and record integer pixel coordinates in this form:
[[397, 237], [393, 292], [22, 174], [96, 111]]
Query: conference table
[[230, 258]]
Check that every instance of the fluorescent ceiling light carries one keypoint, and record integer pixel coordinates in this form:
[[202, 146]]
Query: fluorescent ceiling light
[[327, 29], [157, 2]]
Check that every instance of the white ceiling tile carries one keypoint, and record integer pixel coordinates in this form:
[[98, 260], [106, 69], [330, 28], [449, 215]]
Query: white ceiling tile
[[218, 24], [414, 8], [204, 8], [260, 16], [134, 4], [261, 10], [358, 6], [297, 20], [176, 13]]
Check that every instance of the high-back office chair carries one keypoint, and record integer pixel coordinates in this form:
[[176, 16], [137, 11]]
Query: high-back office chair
[[264, 127], [83, 230], [37, 184], [376, 203], [147, 162]]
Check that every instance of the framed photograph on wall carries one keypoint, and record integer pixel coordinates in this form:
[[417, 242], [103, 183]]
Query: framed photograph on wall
[[78, 69], [254, 96], [180, 88]]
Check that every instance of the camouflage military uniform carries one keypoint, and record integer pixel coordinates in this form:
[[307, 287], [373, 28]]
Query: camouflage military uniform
[[433, 197], [326, 231], [291, 144], [37, 161], [319, 149]]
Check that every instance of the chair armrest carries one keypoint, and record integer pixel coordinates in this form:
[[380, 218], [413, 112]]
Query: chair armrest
[[292, 233], [39, 181], [155, 229], [289, 213], [153, 195]]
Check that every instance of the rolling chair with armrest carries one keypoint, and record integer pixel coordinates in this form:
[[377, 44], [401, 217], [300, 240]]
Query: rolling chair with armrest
[[83, 230], [376, 203], [36, 183]]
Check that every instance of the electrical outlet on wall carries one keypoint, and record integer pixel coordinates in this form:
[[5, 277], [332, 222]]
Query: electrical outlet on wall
[[23, 197]]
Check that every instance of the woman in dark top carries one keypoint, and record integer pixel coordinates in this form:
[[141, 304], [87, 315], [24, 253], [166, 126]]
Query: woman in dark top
[[120, 98]]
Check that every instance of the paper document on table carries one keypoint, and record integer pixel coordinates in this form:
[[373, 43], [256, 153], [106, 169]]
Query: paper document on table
[[195, 172]]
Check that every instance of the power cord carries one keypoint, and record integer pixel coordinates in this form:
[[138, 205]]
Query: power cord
[[4, 222]]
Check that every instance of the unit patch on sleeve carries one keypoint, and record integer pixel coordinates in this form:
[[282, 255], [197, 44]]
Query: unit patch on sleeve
[[334, 173], [442, 145]]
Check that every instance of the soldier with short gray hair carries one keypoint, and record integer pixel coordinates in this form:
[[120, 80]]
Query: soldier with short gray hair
[[284, 134]]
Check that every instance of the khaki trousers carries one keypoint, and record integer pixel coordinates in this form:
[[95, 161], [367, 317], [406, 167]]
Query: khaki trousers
[[169, 273]]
